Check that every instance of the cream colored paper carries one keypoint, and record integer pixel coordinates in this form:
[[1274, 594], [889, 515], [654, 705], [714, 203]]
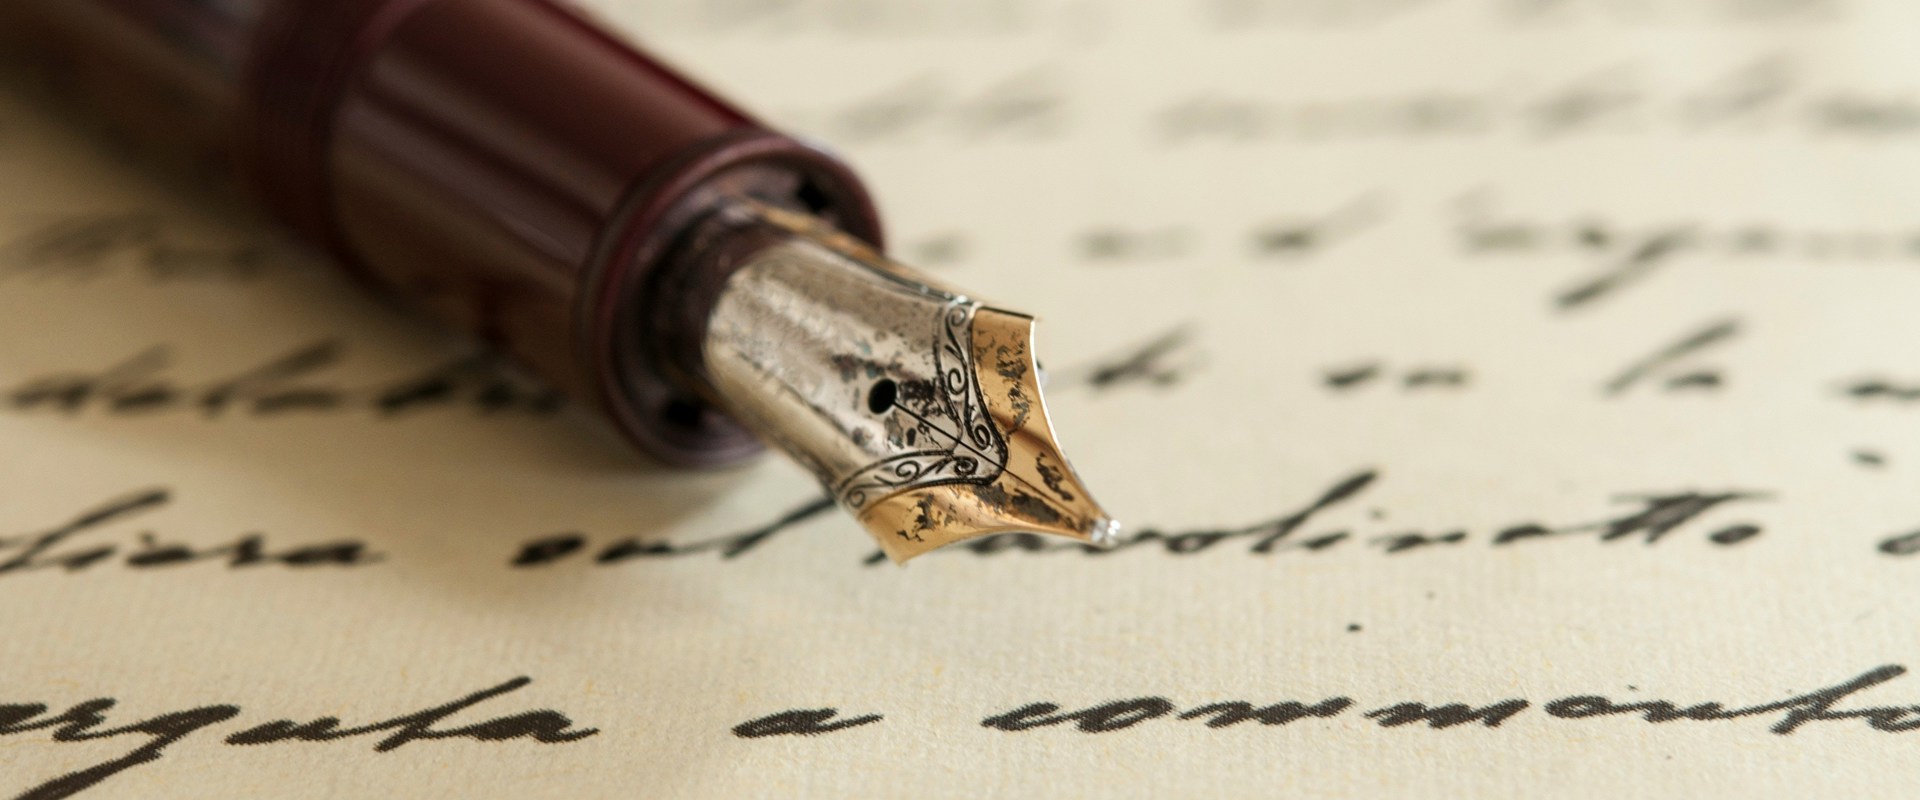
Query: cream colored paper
[[1353, 238]]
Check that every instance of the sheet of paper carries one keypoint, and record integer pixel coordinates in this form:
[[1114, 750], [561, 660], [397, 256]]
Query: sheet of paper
[[1505, 397]]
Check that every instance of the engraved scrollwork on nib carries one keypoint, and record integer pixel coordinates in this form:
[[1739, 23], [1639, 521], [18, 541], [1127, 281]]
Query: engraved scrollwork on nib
[[1029, 486], [960, 442], [918, 408]]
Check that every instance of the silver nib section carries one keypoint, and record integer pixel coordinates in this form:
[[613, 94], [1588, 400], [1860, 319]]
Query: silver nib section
[[917, 407]]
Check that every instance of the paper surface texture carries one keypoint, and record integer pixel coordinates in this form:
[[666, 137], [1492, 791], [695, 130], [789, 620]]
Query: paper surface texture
[[1503, 397]]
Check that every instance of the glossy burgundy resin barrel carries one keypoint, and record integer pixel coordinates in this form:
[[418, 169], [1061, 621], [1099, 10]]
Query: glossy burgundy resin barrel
[[506, 164]]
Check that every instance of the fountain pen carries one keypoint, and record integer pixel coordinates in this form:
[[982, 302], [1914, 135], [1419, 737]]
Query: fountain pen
[[527, 176]]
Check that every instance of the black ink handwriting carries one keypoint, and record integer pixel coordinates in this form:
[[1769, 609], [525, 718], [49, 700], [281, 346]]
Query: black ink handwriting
[[293, 382], [1165, 360], [1419, 378], [1671, 359], [1650, 519], [550, 549], [800, 722], [58, 548], [89, 247], [1789, 715], [81, 722]]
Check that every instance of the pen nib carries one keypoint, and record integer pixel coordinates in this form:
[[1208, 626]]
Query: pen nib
[[1035, 490], [918, 407]]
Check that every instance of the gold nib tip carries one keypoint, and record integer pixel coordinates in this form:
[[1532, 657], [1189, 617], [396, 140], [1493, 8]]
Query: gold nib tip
[[1105, 533]]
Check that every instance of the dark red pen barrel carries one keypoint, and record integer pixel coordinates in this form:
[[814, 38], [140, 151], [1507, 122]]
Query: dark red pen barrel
[[165, 75], [505, 164]]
